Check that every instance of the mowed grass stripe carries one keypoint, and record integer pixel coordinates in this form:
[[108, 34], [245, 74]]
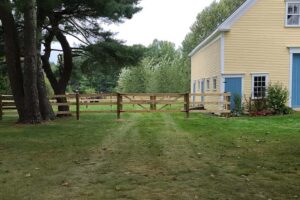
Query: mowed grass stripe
[[151, 156]]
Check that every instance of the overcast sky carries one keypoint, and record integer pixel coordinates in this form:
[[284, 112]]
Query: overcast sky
[[159, 19]]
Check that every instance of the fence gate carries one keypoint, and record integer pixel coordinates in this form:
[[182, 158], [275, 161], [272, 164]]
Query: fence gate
[[126, 102]]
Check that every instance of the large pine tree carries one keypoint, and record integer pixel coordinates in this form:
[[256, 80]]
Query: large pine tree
[[27, 84]]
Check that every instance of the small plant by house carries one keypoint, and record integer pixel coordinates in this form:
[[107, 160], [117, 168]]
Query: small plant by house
[[273, 103], [238, 109], [258, 107], [277, 99]]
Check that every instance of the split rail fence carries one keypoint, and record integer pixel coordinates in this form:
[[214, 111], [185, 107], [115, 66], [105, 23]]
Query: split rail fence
[[127, 103]]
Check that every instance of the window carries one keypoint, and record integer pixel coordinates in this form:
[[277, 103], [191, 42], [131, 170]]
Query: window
[[215, 84], [207, 84], [293, 14], [259, 85], [199, 85], [194, 86]]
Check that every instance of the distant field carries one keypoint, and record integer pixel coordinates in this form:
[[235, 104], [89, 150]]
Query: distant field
[[151, 156]]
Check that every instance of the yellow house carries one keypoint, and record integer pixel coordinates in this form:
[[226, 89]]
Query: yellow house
[[258, 44]]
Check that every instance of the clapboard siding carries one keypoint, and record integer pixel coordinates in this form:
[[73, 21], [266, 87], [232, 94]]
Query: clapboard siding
[[258, 42], [206, 63]]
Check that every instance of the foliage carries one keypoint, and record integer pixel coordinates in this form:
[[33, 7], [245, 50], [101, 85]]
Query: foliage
[[133, 79], [161, 70], [4, 81], [237, 99], [110, 55], [4, 85], [256, 106], [99, 68], [277, 98]]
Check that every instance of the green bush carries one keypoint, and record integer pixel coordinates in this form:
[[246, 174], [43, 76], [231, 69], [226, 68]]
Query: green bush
[[237, 99], [277, 98], [4, 85]]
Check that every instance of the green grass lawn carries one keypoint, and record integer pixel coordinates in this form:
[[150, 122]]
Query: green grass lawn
[[151, 156]]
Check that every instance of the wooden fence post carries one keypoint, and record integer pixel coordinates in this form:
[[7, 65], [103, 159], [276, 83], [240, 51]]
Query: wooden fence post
[[77, 106], [227, 100], [153, 103], [1, 110], [119, 106], [187, 104]]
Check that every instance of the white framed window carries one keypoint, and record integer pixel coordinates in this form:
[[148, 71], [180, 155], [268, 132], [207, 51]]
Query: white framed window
[[293, 13], [259, 85], [199, 85], [215, 83], [207, 84]]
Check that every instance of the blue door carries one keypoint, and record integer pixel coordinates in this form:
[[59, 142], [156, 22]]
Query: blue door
[[296, 81], [234, 86]]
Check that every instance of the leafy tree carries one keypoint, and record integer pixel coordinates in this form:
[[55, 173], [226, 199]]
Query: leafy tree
[[160, 71], [133, 80]]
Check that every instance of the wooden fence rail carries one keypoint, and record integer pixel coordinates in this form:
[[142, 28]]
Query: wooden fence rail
[[125, 102]]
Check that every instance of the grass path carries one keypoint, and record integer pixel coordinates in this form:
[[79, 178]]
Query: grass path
[[152, 156]]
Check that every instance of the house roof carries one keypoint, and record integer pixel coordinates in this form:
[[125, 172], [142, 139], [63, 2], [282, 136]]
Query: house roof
[[226, 25]]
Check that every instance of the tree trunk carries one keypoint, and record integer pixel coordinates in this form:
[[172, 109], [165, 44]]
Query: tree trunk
[[32, 103], [12, 53], [45, 106], [59, 86], [67, 69]]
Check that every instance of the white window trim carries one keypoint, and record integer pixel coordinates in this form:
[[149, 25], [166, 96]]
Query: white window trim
[[286, 13], [252, 82]]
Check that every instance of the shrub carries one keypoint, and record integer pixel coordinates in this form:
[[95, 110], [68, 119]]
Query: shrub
[[256, 105], [277, 98], [237, 99], [4, 85]]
